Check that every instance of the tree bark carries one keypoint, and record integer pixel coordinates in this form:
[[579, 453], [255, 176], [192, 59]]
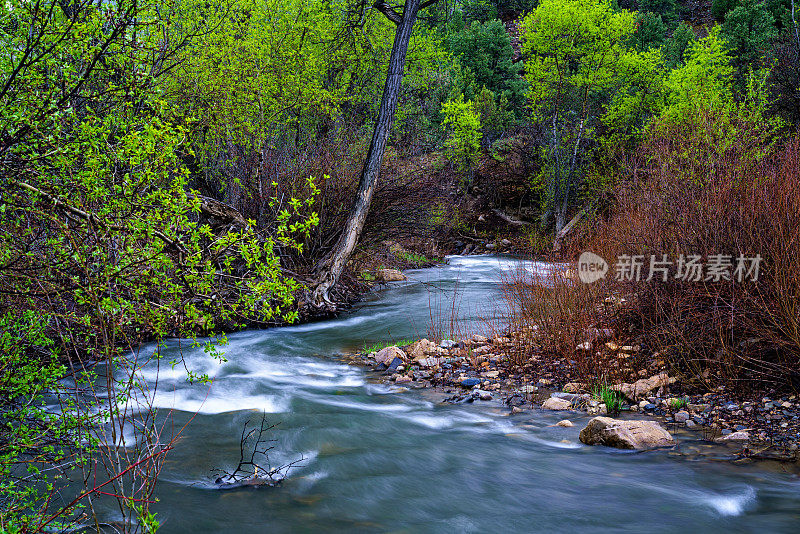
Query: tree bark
[[330, 268]]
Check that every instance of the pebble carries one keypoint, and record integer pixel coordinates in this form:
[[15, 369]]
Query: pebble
[[565, 423]]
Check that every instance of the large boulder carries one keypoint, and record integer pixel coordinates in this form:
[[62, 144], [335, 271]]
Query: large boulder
[[388, 354], [625, 434], [641, 388], [389, 275]]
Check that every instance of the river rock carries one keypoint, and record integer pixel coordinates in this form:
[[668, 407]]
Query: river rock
[[554, 403], [430, 362], [565, 423], [682, 416], [389, 275], [735, 436], [625, 434], [397, 362], [402, 379], [447, 344], [642, 387], [388, 354], [470, 382], [574, 398], [422, 348]]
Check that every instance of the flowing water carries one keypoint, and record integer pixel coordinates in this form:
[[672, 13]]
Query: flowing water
[[383, 459]]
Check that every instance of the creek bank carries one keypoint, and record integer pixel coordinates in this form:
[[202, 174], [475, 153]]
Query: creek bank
[[480, 368]]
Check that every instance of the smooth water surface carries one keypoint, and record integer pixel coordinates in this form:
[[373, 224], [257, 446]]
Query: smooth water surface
[[385, 459]]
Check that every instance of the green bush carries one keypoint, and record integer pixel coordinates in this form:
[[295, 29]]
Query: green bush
[[464, 142]]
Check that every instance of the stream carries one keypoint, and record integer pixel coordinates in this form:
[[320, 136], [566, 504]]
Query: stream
[[379, 458]]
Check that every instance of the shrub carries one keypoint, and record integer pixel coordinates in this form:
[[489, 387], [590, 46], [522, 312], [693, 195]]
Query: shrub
[[464, 142]]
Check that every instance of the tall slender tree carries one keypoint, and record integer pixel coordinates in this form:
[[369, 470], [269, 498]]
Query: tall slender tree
[[330, 268]]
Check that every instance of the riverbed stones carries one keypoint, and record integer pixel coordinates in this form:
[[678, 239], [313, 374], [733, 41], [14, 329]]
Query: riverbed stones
[[423, 348], [402, 379], [735, 436], [625, 434], [388, 354], [430, 362], [554, 403], [565, 423]]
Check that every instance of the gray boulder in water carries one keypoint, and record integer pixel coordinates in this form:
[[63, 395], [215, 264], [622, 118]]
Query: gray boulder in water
[[625, 434]]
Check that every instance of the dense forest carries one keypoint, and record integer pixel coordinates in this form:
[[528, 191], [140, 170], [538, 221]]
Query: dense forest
[[188, 168]]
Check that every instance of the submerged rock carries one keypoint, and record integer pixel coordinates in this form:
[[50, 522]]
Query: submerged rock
[[625, 434], [565, 423]]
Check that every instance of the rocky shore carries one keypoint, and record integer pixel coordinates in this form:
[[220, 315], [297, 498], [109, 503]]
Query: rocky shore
[[483, 369]]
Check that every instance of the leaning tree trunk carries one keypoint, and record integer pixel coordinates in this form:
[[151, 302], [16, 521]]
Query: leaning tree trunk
[[330, 268]]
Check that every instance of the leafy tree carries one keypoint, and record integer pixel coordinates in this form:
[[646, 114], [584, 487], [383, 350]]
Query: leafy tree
[[330, 268], [104, 245], [640, 95], [464, 142], [650, 32], [703, 83], [677, 44], [749, 30], [485, 48], [575, 49]]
